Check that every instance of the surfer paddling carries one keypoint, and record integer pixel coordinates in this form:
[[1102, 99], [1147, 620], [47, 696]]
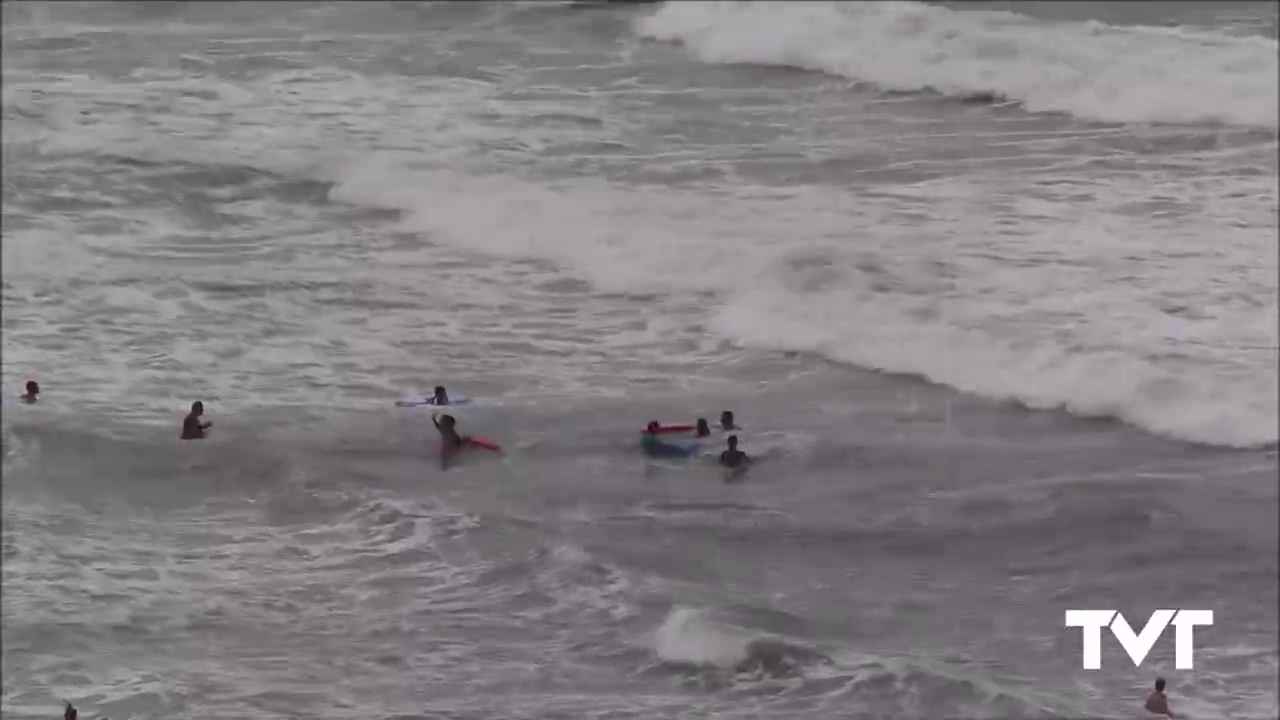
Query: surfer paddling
[[1157, 703], [192, 427], [440, 397]]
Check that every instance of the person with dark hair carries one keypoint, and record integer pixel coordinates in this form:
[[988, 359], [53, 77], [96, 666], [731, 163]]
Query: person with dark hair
[[440, 397], [1157, 702], [450, 441], [700, 429], [33, 393], [734, 458], [192, 428], [726, 421]]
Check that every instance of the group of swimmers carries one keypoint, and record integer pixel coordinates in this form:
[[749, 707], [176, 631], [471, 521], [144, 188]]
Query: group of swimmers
[[194, 427], [731, 458], [451, 442]]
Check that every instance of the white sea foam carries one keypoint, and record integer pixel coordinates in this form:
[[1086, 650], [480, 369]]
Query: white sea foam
[[686, 635], [1089, 70], [1061, 312], [1167, 321]]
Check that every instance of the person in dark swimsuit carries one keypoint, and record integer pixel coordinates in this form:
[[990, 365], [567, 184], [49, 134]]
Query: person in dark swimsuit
[[192, 428], [450, 441], [726, 421], [733, 458], [702, 430], [33, 393]]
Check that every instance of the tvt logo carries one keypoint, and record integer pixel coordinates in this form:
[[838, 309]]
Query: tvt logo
[[1138, 645]]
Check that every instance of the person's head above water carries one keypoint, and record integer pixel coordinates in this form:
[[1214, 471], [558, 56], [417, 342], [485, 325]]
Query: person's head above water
[[1159, 684], [733, 442], [441, 395], [702, 428], [33, 391], [197, 408], [447, 420], [652, 427], [726, 419]]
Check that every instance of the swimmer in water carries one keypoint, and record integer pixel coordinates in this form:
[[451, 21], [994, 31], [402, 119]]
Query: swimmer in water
[[726, 421], [733, 458], [1157, 702], [701, 430], [192, 428], [33, 393], [70, 713], [441, 397], [450, 441]]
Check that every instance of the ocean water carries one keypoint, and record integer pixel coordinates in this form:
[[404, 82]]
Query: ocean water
[[992, 288]]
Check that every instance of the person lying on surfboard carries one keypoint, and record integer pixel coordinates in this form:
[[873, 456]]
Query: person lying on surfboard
[[700, 428], [651, 445]]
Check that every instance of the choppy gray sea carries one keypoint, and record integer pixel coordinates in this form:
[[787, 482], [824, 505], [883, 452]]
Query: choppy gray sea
[[991, 288]]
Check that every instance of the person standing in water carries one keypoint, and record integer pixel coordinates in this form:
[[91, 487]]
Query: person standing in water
[[733, 458], [450, 441], [192, 428], [700, 428], [33, 393], [1157, 703], [726, 421]]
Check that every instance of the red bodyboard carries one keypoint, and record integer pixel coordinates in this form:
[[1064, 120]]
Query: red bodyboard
[[663, 429], [480, 442]]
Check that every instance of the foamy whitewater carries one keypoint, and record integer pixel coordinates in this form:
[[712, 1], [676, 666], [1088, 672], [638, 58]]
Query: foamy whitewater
[[993, 294]]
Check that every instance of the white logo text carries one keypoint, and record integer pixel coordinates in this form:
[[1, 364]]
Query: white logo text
[[1138, 645]]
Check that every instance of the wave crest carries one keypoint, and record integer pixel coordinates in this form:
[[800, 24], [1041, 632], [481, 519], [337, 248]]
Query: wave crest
[[1090, 70]]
